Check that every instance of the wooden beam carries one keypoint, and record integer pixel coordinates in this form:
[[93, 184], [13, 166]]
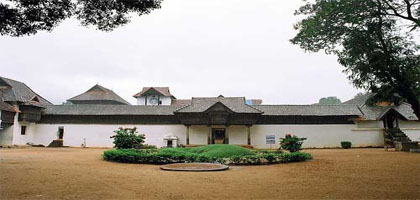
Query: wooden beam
[[187, 135], [227, 135], [249, 134], [209, 134]]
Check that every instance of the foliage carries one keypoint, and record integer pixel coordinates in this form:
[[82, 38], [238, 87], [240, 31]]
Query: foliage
[[291, 143], [373, 41], [148, 146], [27, 17], [346, 144], [197, 154], [127, 138], [329, 101]]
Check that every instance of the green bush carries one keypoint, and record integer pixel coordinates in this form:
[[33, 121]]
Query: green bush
[[147, 146], [181, 155], [296, 157], [291, 143], [346, 144], [127, 138]]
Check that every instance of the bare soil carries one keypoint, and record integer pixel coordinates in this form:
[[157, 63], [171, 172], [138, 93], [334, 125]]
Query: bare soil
[[77, 173]]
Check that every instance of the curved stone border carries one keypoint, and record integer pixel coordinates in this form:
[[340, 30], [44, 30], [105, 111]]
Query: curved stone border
[[194, 167]]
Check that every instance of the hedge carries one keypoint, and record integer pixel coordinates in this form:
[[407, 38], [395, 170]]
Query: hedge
[[179, 155]]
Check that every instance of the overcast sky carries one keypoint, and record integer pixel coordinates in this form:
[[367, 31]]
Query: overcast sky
[[196, 47]]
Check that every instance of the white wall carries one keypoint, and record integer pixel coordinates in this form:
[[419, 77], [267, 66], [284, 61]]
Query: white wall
[[98, 135], [318, 136], [6, 136], [411, 129], [237, 134], [142, 100], [198, 134]]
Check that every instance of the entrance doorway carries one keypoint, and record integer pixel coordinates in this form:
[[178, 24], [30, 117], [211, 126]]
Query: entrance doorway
[[219, 136]]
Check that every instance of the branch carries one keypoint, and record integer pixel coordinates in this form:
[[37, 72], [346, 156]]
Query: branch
[[397, 14]]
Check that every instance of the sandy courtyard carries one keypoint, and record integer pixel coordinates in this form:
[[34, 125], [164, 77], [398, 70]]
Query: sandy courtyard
[[75, 173]]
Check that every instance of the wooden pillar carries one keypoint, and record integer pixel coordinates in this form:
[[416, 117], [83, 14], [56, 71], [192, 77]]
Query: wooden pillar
[[226, 135], [249, 134], [187, 135], [209, 135]]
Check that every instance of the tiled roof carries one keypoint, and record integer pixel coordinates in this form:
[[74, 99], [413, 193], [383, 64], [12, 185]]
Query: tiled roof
[[99, 95], [6, 107], [374, 112], [181, 102], [310, 110], [162, 90], [359, 99], [15, 91], [201, 104], [83, 109]]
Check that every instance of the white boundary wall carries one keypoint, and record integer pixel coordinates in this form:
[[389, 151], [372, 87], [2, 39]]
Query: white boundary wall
[[98, 135], [318, 136], [411, 129], [364, 134]]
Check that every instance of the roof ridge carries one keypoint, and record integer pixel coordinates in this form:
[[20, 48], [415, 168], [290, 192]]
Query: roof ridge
[[305, 105]]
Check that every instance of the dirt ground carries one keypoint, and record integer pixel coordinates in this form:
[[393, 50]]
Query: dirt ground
[[76, 173]]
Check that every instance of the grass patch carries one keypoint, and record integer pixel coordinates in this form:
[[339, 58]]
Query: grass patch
[[221, 151]]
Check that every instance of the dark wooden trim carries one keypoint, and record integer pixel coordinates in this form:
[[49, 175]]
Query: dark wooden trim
[[109, 119], [267, 119]]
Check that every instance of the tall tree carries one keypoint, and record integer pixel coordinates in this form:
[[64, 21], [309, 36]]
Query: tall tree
[[27, 17], [373, 40], [329, 101]]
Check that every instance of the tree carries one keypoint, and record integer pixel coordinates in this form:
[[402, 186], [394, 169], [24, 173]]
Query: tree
[[128, 138], [27, 17], [329, 101], [372, 39]]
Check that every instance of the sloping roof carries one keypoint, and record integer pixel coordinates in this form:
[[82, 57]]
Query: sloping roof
[[201, 104], [375, 112], [6, 107], [181, 102], [309, 110], [359, 99], [83, 109], [15, 91], [162, 90], [98, 95]]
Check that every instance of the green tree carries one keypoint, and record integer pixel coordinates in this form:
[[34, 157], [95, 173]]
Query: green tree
[[373, 40], [27, 17], [329, 101], [128, 138]]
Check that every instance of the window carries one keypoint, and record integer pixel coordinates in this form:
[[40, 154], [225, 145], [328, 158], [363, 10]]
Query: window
[[169, 144], [23, 130]]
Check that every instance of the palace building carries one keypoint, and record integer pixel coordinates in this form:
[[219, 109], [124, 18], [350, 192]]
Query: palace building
[[91, 117]]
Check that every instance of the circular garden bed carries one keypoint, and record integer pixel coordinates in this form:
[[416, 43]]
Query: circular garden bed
[[194, 167], [220, 153]]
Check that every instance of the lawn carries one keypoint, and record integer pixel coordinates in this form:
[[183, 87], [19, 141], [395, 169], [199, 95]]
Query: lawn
[[77, 173]]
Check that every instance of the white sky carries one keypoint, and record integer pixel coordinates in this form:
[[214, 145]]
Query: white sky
[[196, 47]]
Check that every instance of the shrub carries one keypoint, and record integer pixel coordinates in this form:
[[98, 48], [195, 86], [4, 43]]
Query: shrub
[[296, 157], [291, 143], [346, 144], [147, 146], [127, 138]]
